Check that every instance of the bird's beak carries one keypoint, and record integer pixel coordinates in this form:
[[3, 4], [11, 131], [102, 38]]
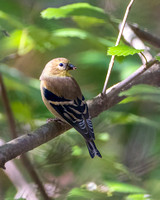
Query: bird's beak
[[71, 67]]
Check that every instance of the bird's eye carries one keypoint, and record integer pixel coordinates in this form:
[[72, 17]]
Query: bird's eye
[[61, 64]]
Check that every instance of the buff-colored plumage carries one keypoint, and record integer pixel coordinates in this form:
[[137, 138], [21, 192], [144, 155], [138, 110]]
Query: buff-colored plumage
[[62, 96]]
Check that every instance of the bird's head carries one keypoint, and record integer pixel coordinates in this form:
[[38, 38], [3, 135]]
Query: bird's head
[[57, 67]]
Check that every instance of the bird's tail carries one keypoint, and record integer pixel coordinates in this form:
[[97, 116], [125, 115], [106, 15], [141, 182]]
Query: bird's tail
[[93, 151]]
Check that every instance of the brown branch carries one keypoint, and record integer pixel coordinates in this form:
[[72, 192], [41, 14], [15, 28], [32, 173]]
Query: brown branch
[[97, 105]]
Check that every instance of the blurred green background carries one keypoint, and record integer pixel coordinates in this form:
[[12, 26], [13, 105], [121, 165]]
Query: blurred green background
[[127, 135]]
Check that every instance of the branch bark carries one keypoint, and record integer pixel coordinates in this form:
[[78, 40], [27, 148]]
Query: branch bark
[[97, 105]]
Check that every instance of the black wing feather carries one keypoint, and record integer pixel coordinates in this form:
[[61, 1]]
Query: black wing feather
[[76, 114]]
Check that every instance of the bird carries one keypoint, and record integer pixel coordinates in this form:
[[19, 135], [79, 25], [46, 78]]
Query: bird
[[63, 97]]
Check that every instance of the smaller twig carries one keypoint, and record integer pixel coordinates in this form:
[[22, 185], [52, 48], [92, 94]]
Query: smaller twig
[[9, 57], [144, 35], [144, 57], [117, 42]]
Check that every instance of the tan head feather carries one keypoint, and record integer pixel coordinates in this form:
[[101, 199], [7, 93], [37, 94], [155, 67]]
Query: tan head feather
[[57, 67]]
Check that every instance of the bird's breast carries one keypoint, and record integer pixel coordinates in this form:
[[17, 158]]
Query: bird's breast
[[65, 87]]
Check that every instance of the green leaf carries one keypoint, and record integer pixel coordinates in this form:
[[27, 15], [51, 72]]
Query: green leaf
[[103, 137], [45, 40], [77, 9], [142, 92], [19, 77], [123, 50], [22, 111], [81, 34], [71, 32], [123, 187], [20, 40], [76, 150], [11, 20], [86, 22], [138, 197], [141, 89], [115, 117], [80, 193], [158, 58]]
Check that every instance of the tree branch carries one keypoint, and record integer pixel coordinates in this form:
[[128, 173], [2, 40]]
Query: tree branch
[[97, 105]]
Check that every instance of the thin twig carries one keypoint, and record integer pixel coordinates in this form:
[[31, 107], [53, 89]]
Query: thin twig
[[24, 189], [97, 105], [25, 160], [117, 42], [6, 104], [34, 175], [144, 56]]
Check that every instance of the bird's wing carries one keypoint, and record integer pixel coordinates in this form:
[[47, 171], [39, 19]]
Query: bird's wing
[[75, 112]]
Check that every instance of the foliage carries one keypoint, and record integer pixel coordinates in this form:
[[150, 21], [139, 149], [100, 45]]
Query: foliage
[[77, 9], [123, 50], [158, 58], [127, 135]]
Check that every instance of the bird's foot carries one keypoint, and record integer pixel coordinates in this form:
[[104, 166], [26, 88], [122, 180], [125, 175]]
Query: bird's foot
[[57, 120], [50, 120], [102, 95]]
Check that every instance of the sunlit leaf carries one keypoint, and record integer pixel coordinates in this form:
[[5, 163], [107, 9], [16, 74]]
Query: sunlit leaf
[[138, 197], [79, 33], [86, 22], [19, 40], [91, 58], [129, 118], [76, 151], [75, 193], [22, 111], [16, 75], [141, 89], [123, 187], [71, 32], [45, 40], [158, 58], [142, 92], [103, 136], [123, 50], [77, 9]]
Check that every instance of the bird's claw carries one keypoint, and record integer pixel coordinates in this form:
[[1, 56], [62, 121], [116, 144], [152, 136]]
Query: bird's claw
[[57, 120], [50, 120]]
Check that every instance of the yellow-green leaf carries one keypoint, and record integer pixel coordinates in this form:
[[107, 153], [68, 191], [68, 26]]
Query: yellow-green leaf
[[123, 50], [71, 10]]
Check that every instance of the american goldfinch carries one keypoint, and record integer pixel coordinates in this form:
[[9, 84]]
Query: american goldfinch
[[62, 96]]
